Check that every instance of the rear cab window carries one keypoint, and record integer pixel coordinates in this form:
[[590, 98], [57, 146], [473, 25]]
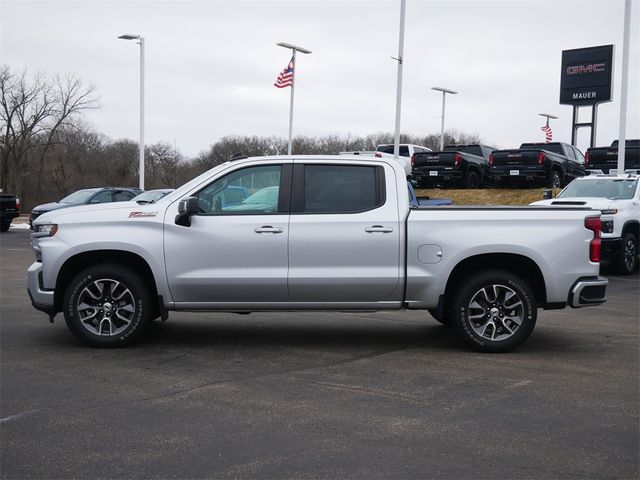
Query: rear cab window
[[338, 188]]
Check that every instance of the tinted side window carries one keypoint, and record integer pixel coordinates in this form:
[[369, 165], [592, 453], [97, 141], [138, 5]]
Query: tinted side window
[[568, 151], [342, 188], [250, 191], [102, 197], [404, 151], [122, 196], [579, 156]]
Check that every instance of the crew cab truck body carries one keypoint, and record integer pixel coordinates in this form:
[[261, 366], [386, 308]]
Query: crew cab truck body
[[317, 233], [552, 164], [9, 209], [606, 158], [464, 165], [618, 199]]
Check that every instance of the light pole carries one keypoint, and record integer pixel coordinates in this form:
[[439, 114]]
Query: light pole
[[140, 39], [294, 49], [624, 88], [444, 93], [400, 60]]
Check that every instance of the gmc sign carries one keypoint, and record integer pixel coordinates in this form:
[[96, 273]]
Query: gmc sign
[[586, 75]]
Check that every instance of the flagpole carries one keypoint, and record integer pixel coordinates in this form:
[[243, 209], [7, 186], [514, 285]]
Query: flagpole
[[294, 49], [293, 85]]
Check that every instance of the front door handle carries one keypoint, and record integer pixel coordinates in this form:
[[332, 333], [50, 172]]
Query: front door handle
[[267, 229], [378, 229]]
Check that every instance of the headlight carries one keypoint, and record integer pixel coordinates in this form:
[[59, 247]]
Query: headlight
[[607, 226], [45, 230]]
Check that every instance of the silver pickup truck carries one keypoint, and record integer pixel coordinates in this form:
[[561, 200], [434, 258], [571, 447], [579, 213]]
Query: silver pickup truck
[[312, 233]]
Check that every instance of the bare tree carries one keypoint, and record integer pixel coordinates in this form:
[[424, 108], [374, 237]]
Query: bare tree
[[32, 110]]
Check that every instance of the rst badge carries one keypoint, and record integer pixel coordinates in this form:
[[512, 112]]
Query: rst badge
[[142, 214]]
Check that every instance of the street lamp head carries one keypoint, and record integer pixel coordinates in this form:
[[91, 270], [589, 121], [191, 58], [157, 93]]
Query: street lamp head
[[444, 90], [293, 47], [548, 115], [129, 36]]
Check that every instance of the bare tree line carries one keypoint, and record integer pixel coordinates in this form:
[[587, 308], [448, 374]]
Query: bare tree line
[[47, 151]]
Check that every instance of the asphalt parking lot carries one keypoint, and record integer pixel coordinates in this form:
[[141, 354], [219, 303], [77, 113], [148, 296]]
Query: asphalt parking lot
[[318, 395]]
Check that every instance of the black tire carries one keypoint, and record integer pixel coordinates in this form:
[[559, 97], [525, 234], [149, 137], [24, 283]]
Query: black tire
[[443, 319], [85, 290], [472, 180], [4, 226], [491, 325], [627, 258], [555, 179]]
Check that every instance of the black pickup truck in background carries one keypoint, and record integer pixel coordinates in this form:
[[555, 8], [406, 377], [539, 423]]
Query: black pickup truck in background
[[9, 209], [606, 158], [464, 165], [552, 164]]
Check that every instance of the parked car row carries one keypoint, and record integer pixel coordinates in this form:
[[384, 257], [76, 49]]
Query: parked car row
[[92, 196], [553, 165]]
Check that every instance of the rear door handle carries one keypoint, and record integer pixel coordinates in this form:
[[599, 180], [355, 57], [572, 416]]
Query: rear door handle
[[378, 229], [267, 229]]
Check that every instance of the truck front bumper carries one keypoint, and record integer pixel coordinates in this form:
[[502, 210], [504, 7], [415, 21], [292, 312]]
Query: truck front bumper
[[588, 291], [611, 248], [41, 299]]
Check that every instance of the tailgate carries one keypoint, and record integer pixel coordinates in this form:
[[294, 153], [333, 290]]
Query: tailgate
[[7, 202], [427, 161], [508, 158]]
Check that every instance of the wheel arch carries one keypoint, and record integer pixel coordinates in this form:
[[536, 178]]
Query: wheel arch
[[519, 265], [632, 226], [75, 264]]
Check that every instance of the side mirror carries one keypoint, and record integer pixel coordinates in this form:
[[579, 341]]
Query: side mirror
[[186, 208], [547, 194]]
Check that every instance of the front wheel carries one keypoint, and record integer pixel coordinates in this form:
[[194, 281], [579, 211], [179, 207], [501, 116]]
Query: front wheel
[[627, 260], [107, 305], [494, 311]]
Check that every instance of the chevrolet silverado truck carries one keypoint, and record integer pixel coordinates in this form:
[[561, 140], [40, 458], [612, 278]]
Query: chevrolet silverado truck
[[464, 165], [316, 233], [552, 164], [9, 209], [618, 199], [606, 158]]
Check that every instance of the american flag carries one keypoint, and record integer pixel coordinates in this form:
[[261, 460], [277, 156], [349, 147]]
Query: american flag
[[285, 79], [548, 134]]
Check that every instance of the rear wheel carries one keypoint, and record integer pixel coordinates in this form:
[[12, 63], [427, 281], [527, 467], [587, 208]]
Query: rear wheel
[[555, 179], [627, 259], [107, 305], [4, 225], [472, 180], [494, 311]]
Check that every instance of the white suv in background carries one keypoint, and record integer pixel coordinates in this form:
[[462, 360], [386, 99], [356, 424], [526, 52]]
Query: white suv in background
[[618, 198]]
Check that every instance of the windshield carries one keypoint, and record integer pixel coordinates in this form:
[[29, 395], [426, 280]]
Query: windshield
[[81, 196], [151, 196], [611, 188]]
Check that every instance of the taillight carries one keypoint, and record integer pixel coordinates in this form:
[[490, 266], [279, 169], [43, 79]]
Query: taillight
[[595, 225], [378, 155], [413, 160], [586, 158], [457, 159], [17, 203], [541, 157], [490, 159]]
